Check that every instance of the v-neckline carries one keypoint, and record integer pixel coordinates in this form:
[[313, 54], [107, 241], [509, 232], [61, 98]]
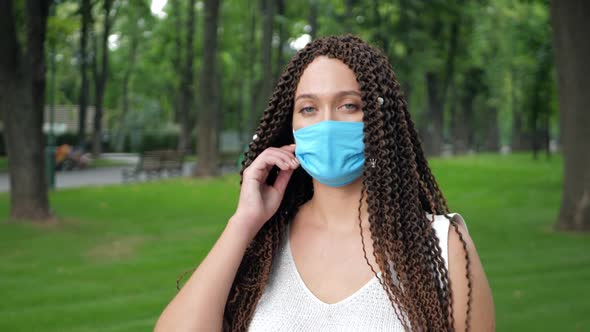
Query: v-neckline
[[308, 291]]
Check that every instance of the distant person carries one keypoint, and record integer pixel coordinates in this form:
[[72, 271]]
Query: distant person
[[80, 158], [340, 224], [62, 154]]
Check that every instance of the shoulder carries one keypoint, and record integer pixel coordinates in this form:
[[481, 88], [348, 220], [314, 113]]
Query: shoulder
[[463, 257]]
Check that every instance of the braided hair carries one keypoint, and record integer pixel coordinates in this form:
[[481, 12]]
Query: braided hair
[[399, 189]]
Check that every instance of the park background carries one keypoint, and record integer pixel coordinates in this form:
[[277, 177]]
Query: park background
[[498, 90]]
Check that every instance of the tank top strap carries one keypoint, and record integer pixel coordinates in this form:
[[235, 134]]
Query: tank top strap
[[441, 227]]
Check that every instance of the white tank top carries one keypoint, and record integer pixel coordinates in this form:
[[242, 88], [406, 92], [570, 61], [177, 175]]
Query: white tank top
[[287, 304]]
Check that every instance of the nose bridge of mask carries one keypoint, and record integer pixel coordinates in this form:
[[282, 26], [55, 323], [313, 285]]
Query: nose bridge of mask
[[330, 141]]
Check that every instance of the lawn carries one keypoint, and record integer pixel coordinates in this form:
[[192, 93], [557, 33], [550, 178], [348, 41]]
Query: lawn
[[111, 262]]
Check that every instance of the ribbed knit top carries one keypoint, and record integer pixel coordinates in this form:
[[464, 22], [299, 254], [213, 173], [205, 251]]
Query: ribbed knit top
[[288, 305]]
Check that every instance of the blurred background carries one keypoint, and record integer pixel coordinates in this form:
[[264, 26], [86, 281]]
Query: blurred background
[[124, 124]]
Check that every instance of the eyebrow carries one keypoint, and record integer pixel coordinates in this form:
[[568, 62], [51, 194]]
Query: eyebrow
[[338, 94]]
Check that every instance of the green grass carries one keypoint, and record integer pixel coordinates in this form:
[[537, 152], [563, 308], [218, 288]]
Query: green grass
[[112, 261]]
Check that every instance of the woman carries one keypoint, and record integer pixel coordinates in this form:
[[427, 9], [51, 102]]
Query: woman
[[340, 224]]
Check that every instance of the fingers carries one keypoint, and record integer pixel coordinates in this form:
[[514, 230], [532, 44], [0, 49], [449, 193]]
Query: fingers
[[283, 154], [290, 147], [269, 158], [287, 150], [281, 161]]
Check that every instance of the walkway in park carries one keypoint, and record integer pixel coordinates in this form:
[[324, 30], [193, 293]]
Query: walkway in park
[[97, 176]]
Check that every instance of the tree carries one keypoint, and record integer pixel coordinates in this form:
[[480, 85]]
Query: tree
[[540, 101], [463, 116], [437, 84], [572, 51], [187, 93], [86, 17], [208, 121], [22, 97], [254, 83], [133, 24], [313, 16], [281, 25], [268, 12], [100, 75]]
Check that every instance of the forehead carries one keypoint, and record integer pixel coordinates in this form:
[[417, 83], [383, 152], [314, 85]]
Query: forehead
[[326, 76]]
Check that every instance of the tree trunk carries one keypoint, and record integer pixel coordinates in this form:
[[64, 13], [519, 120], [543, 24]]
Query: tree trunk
[[281, 33], [177, 62], [540, 97], [240, 111], [208, 126], [100, 79], [521, 139], [86, 12], [131, 60], [547, 135], [379, 31], [437, 87], [253, 82], [492, 142], [348, 20], [313, 17], [535, 130], [434, 129], [22, 96], [572, 51], [267, 32], [463, 124], [187, 85], [459, 130]]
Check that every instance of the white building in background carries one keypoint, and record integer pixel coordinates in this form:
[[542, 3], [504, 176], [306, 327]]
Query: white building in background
[[65, 119]]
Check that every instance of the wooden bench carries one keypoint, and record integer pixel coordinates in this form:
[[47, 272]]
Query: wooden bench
[[172, 162], [154, 164]]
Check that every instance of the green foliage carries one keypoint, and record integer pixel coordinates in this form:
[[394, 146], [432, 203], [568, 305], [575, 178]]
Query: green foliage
[[504, 39]]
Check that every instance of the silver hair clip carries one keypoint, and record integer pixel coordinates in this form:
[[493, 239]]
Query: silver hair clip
[[372, 161], [380, 101]]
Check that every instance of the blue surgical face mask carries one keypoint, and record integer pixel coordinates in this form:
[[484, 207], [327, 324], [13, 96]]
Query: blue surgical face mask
[[332, 152]]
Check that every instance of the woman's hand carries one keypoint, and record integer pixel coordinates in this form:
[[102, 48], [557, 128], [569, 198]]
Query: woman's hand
[[199, 306], [259, 201]]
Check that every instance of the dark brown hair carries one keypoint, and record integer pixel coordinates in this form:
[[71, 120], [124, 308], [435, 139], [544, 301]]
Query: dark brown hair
[[399, 189]]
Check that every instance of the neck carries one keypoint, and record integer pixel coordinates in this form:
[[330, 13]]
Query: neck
[[336, 208]]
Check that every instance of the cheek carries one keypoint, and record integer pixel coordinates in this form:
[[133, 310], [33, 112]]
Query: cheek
[[298, 121], [359, 117]]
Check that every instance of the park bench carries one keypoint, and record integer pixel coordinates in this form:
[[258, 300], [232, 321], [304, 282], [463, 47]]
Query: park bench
[[154, 164]]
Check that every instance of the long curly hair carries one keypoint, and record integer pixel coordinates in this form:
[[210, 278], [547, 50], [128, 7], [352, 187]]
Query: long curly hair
[[399, 189]]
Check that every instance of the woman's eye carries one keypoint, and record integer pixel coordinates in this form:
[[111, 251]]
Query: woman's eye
[[306, 110], [350, 107]]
